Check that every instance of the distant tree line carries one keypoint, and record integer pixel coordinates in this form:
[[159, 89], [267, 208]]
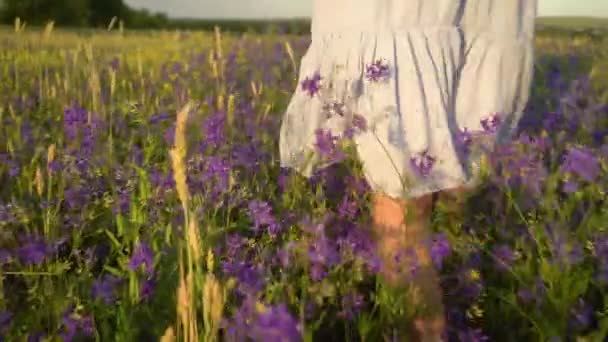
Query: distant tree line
[[78, 13]]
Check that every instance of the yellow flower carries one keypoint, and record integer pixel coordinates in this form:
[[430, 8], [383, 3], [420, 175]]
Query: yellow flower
[[474, 275], [475, 312]]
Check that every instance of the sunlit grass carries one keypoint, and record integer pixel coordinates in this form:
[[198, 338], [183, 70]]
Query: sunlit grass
[[141, 197]]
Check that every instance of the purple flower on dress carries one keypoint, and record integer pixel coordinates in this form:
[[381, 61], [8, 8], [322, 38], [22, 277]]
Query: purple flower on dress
[[378, 71], [312, 85], [422, 163], [143, 255], [491, 123], [582, 162], [359, 122], [334, 108]]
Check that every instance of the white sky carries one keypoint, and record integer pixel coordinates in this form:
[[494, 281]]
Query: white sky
[[301, 8]]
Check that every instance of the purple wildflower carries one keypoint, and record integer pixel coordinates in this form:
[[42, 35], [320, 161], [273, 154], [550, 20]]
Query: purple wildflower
[[156, 118], [348, 208], [276, 324], [261, 213], [143, 255], [322, 251], [504, 257], [123, 204], [582, 162], [146, 289], [34, 250], [464, 139], [526, 296], [217, 172], [317, 272], [75, 325], [213, 127], [235, 244], [582, 315], [105, 288], [169, 135], [570, 186], [250, 277], [5, 256], [422, 163], [378, 71], [327, 147], [440, 249], [6, 318], [284, 256], [352, 304], [312, 85], [472, 335], [115, 63], [36, 337]]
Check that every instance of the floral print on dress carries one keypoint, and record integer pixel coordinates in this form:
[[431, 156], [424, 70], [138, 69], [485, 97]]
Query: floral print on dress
[[378, 71], [334, 108], [422, 163], [491, 123], [312, 85]]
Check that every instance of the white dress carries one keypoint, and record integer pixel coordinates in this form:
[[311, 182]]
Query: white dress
[[427, 76]]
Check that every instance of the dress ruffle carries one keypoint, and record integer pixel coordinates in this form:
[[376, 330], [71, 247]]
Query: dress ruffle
[[424, 92]]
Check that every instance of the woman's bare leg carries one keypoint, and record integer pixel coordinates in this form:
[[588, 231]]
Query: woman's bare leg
[[401, 225]]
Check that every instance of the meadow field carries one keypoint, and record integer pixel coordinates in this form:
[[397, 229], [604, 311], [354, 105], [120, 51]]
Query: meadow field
[[141, 199]]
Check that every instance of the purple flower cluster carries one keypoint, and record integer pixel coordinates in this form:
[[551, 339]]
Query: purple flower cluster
[[261, 213], [105, 288], [273, 323], [75, 325], [327, 146]]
